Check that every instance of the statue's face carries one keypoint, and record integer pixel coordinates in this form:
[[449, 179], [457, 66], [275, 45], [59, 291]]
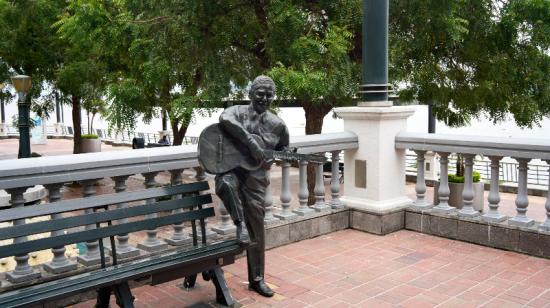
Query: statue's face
[[262, 98]]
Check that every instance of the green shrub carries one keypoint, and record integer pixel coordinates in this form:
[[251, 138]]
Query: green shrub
[[460, 179], [89, 136]]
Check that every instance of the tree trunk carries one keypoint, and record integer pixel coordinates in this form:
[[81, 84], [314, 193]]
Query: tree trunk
[[315, 113], [179, 132], [77, 118]]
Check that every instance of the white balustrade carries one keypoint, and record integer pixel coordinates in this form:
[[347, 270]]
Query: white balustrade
[[60, 263], [303, 194], [494, 195], [545, 227], [178, 237], [151, 242], [444, 191], [123, 247], [468, 192], [522, 201], [319, 189], [335, 203], [420, 188], [286, 196]]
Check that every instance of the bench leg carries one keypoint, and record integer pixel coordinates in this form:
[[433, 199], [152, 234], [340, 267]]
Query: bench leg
[[223, 295], [103, 298], [124, 297], [189, 281]]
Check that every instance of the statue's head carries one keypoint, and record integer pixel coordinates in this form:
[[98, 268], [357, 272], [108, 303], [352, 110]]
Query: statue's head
[[262, 93]]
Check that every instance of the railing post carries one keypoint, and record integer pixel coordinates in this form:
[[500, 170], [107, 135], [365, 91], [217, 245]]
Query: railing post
[[151, 243], [92, 256], [286, 196], [494, 196], [268, 201], [60, 263], [23, 271], [468, 192], [303, 194], [335, 203], [420, 188], [123, 248], [522, 201], [225, 226], [319, 189], [545, 227], [178, 237], [444, 191]]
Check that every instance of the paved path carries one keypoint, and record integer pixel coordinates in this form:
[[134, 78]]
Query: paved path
[[355, 269]]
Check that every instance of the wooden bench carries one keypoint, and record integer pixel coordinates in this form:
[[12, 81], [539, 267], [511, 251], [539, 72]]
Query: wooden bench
[[105, 222]]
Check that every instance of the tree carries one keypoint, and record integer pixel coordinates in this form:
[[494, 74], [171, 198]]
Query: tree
[[171, 55], [32, 46], [473, 57]]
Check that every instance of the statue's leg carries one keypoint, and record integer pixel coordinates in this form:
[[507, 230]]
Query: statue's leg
[[227, 188], [255, 213]]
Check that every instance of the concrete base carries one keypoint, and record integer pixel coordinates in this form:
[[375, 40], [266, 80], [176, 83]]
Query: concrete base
[[377, 207], [60, 268], [303, 211], [152, 246], [90, 261], [14, 278], [284, 233], [129, 252], [319, 207], [209, 234], [478, 231], [228, 228], [375, 223], [285, 215]]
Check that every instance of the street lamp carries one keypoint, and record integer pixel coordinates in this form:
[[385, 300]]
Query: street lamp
[[22, 85], [2, 112]]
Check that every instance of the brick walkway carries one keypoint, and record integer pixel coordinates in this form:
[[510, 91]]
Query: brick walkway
[[352, 268]]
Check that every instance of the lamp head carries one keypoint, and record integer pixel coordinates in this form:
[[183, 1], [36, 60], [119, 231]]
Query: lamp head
[[21, 83]]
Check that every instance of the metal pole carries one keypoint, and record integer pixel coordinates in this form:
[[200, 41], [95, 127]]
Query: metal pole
[[2, 111], [57, 108], [24, 126], [375, 85]]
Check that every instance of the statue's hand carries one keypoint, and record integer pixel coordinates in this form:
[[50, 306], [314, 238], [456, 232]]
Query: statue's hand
[[255, 150]]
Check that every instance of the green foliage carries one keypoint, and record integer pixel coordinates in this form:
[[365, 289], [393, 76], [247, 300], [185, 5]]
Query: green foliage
[[89, 136], [473, 56], [460, 179]]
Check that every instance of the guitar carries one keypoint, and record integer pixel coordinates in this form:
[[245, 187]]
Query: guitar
[[219, 153]]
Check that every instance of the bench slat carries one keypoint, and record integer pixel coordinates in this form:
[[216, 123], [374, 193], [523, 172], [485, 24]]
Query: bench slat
[[99, 201], [105, 277], [103, 232], [111, 215]]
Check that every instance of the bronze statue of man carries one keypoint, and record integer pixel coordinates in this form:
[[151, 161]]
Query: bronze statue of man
[[243, 191]]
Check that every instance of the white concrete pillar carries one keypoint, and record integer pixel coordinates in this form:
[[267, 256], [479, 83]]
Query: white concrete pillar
[[431, 166], [374, 177]]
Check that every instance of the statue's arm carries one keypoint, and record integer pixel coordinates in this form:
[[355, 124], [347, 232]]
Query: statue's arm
[[284, 139], [230, 124]]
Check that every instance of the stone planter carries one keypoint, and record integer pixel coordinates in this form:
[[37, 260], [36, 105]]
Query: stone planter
[[90, 145], [455, 197]]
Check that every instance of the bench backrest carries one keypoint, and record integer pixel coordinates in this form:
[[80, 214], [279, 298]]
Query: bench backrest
[[104, 219]]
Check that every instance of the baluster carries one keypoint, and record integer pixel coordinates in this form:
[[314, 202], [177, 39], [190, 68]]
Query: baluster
[[123, 248], [468, 192], [286, 197], [23, 271], [522, 201], [319, 189], [494, 196], [443, 192], [200, 176], [545, 227], [303, 194], [225, 226], [335, 203], [420, 187], [268, 201], [60, 263], [151, 243], [92, 256], [179, 237]]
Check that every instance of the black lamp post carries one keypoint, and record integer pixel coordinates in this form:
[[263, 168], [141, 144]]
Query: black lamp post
[[22, 85], [2, 111], [375, 88]]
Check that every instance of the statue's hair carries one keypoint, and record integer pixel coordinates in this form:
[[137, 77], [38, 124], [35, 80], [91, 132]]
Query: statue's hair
[[261, 80]]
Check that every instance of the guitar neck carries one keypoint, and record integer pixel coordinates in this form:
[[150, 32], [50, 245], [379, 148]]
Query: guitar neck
[[283, 155]]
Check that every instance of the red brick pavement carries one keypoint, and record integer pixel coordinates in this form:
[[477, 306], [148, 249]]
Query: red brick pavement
[[355, 269]]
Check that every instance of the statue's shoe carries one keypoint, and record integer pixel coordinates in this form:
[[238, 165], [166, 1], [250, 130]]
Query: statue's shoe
[[261, 288]]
